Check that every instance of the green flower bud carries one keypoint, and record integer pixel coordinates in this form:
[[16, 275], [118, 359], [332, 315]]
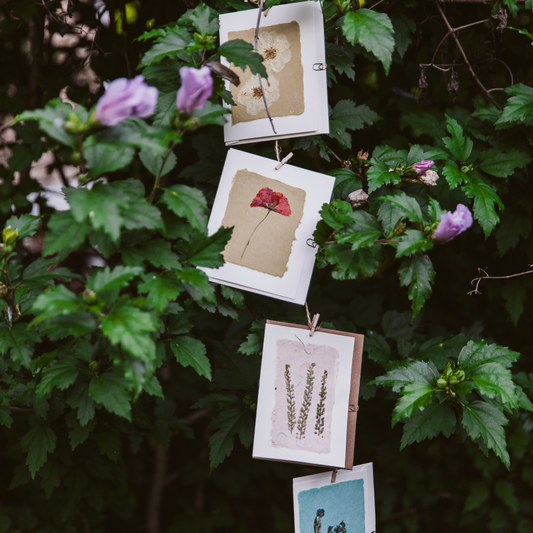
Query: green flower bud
[[448, 371], [343, 6], [9, 236], [89, 296], [441, 383], [94, 366]]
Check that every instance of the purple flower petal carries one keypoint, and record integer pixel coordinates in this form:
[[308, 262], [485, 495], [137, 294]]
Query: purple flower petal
[[196, 88], [423, 166], [451, 224]]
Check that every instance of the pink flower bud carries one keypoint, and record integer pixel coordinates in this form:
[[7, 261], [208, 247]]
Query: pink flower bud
[[423, 166], [124, 99], [196, 88], [451, 224]]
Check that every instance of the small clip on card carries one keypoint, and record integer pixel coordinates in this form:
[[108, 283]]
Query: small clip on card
[[334, 475]]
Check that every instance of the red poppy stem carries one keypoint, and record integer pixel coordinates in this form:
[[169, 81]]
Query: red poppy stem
[[254, 232]]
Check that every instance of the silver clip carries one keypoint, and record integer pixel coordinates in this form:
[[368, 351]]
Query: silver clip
[[320, 66]]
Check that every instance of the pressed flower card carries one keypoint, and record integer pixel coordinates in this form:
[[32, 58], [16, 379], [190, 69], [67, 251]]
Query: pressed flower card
[[344, 504], [291, 42], [308, 390], [273, 214]]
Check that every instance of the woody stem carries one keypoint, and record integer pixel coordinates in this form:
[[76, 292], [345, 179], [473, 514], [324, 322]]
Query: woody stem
[[253, 233]]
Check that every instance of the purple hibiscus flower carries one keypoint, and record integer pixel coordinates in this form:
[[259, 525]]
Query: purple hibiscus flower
[[423, 166], [451, 224], [196, 88], [125, 98]]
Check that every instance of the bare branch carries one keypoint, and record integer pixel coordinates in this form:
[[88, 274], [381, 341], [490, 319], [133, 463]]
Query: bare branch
[[485, 275]]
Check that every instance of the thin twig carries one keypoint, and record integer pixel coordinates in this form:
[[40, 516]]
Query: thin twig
[[21, 409], [486, 276], [456, 39], [260, 9]]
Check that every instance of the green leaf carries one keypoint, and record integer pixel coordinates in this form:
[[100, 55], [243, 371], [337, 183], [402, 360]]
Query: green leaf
[[188, 203], [519, 107], [207, 251], [109, 390], [38, 442], [379, 174], [485, 201], [109, 280], [166, 109], [479, 494], [191, 352], [242, 55], [236, 296], [373, 31], [227, 423], [211, 113], [346, 182], [154, 162], [41, 272], [494, 381], [414, 396], [428, 423], [104, 157], [336, 214], [5, 416], [453, 175], [80, 400], [413, 372], [79, 434], [407, 205], [361, 231], [515, 298], [404, 27], [159, 253], [515, 223], [170, 45], [130, 327], [459, 145], [502, 164], [65, 235], [60, 375], [160, 288], [350, 263], [346, 116], [25, 224], [377, 347], [482, 420], [223, 400], [108, 442], [340, 59], [413, 241], [20, 340], [203, 18], [475, 354]]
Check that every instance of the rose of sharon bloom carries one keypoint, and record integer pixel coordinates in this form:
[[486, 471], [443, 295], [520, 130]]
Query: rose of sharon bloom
[[275, 49], [274, 201], [451, 224], [124, 99], [358, 198], [429, 177], [251, 96], [423, 166], [196, 88]]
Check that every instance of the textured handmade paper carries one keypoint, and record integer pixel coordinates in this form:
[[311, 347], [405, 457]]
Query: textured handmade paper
[[281, 47], [306, 376], [262, 239]]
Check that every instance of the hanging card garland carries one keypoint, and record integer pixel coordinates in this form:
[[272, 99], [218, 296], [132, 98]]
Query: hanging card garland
[[291, 41], [308, 391], [345, 504], [273, 214]]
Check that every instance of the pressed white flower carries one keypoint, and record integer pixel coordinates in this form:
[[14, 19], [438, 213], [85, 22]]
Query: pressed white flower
[[250, 94], [275, 49]]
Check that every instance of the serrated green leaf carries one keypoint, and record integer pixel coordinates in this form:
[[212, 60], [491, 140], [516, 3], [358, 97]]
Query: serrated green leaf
[[188, 203], [19, 342], [211, 113], [475, 354], [340, 59], [174, 41], [26, 225], [109, 280], [79, 434], [389, 215], [154, 162], [458, 144], [520, 106], [485, 201], [227, 423], [407, 205], [404, 27], [515, 299], [197, 284], [413, 372], [346, 182], [346, 116], [414, 396], [80, 400], [65, 235], [377, 347], [38, 442], [60, 375], [103, 157], [350, 263], [495, 381], [379, 174], [160, 288], [411, 242], [453, 175], [207, 251], [5, 416], [130, 327], [428, 423], [109, 390], [360, 231], [191, 352], [242, 55], [41, 272], [236, 296], [373, 31], [502, 164], [203, 18], [336, 214], [159, 253], [482, 420]]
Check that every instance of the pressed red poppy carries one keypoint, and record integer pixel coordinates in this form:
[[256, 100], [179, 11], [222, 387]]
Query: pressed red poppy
[[274, 201]]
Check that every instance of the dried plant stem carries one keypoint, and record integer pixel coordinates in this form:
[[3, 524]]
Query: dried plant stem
[[291, 404], [477, 281], [253, 233], [456, 39], [321, 406], [260, 9], [306, 404]]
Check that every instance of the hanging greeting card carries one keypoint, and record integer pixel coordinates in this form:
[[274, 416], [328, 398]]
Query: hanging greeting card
[[346, 505], [273, 214], [308, 391], [291, 41]]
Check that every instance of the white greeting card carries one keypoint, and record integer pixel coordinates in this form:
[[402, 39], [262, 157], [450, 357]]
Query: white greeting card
[[291, 41], [307, 386], [346, 505], [273, 214]]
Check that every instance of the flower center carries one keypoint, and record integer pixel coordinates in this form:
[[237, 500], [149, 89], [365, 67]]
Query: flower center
[[271, 53], [256, 92]]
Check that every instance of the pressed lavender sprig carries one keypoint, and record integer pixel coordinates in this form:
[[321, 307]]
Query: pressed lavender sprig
[[321, 406], [291, 404], [306, 404]]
